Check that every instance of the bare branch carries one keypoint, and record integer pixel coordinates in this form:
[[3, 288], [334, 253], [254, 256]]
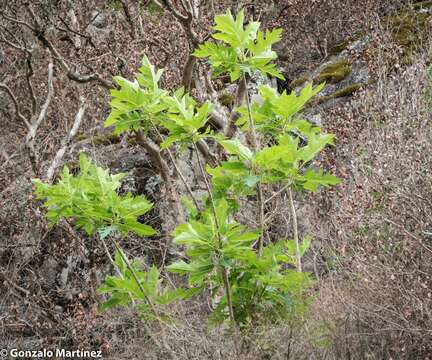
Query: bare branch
[[171, 8], [39, 32], [69, 72], [37, 121], [126, 10], [205, 151], [159, 162], [188, 72], [17, 107], [295, 231], [68, 28], [10, 43], [74, 21], [239, 99], [185, 21], [60, 153], [187, 7], [17, 21], [29, 75]]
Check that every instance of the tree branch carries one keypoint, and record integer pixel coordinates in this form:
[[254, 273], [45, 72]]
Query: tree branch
[[18, 113], [239, 99], [39, 32], [295, 230], [29, 75], [155, 155], [60, 153], [36, 121], [42, 114]]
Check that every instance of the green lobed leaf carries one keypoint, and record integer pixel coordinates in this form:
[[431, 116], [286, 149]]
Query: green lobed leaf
[[235, 147], [91, 199]]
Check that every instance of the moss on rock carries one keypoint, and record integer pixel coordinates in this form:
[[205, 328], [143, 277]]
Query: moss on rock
[[345, 91], [103, 139], [342, 45], [298, 81], [334, 72], [339, 47], [409, 29], [408, 26], [106, 139]]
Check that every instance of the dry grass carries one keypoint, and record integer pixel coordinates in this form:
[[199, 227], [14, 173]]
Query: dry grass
[[378, 297]]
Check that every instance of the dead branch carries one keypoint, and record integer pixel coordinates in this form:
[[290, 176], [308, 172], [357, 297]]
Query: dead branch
[[19, 22], [204, 149], [158, 161], [186, 23], [14, 45], [71, 74], [188, 72], [29, 75], [5, 279], [75, 32], [74, 21], [42, 114], [65, 143], [36, 121], [126, 10], [39, 33], [18, 113]]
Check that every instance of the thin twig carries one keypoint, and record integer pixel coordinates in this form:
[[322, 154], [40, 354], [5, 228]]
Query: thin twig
[[260, 195], [406, 232], [177, 169], [213, 206], [18, 113], [295, 230]]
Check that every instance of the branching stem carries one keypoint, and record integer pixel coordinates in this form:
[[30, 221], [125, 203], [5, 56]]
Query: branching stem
[[295, 230], [177, 169], [223, 269], [260, 195]]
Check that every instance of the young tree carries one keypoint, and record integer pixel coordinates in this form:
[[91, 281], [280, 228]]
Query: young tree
[[251, 276]]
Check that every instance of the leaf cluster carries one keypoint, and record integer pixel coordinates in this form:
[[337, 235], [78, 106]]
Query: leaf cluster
[[261, 286], [144, 289], [292, 143], [240, 49], [142, 106], [91, 200]]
